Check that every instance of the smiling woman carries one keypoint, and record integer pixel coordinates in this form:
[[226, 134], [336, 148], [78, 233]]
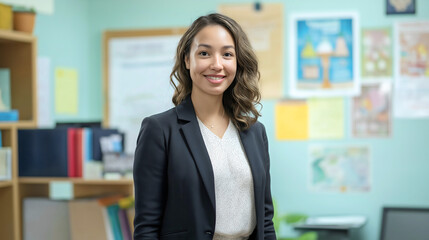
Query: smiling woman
[[201, 169], [211, 62]]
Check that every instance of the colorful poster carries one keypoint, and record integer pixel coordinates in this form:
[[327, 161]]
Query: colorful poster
[[340, 169], [376, 55], [371, 111], [291, 120], [412, 70], [324, 55], [263, 24], [326, 118]]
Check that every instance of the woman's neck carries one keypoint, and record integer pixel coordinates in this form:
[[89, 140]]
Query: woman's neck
[[208, 107]]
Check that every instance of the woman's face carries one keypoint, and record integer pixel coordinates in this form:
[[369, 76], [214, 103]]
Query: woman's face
[[212, 61]]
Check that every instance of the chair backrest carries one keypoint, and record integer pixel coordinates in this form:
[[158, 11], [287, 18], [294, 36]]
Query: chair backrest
[[404, 223]]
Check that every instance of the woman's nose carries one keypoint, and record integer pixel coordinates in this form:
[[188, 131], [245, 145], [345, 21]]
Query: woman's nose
[[216, 63]]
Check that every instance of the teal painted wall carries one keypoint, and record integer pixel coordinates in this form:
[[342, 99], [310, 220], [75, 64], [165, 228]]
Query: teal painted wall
[[72, 37]]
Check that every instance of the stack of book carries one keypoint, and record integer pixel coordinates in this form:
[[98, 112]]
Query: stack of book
[[104, 218]]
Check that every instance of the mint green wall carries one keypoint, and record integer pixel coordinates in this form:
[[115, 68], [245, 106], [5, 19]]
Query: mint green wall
[[64, 37], [400, 165]]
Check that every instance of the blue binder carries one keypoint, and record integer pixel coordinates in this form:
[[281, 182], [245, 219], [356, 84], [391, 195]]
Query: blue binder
[[42, 152]]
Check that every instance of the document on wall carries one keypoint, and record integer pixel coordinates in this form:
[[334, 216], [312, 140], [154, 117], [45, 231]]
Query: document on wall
[[139, 81], [326, 118], [371, 111], [263, 24], [44, 113], [411, 70], [291, 120], [66, 91], [339, 168]]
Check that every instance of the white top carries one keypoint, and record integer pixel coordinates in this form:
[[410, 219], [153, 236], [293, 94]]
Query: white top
[[235, 203]]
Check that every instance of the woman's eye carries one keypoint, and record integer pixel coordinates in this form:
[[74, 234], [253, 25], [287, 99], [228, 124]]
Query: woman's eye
[[228, 55], [204, 54]]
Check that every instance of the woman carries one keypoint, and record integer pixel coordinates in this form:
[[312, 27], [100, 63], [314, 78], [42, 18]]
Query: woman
[[201, 169]]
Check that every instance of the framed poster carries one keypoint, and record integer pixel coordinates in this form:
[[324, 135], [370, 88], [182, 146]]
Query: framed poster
[[324, 55], [400, 7]]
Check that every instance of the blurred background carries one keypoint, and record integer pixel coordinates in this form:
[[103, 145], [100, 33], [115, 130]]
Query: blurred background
[[345, 95]]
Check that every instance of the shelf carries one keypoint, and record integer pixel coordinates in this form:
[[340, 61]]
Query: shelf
[[80, 181], [15, 36], [6, 183], [18, 124]]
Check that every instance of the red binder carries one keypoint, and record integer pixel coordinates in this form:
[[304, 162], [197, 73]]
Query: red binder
[[71, 152]]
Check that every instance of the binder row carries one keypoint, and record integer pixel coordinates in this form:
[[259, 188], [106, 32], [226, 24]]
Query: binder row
[[60, 152]]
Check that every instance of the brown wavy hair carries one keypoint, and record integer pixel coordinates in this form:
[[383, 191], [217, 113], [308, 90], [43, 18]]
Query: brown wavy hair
[[241, 97]]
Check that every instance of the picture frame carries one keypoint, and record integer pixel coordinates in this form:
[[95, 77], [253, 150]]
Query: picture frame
[[324, 55], [400, 7]]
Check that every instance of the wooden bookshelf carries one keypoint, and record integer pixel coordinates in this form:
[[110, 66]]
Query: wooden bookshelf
[[6, 183], [18, 53], [39, 187], [77, 181]]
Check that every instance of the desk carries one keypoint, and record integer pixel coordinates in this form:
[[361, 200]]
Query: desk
[[327, 232]]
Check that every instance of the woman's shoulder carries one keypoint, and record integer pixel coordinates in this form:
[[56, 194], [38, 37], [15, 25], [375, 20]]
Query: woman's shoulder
[[162, 118], [257, 128]]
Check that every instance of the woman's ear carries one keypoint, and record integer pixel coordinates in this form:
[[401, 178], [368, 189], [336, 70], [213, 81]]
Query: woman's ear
[[187, 62]]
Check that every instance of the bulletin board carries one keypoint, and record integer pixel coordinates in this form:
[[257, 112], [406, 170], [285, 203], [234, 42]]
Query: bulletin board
[[136, 77], [263, 25]]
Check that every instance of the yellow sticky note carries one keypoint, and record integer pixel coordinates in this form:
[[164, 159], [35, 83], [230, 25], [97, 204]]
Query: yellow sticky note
[[66, 91], [291, 120], [326, 118]]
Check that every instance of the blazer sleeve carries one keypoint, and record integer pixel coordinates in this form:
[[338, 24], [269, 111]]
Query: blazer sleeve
[[150, 180], [269, 232]]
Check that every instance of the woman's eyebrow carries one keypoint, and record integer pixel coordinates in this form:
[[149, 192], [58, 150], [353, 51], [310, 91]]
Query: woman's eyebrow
[[208, 46]]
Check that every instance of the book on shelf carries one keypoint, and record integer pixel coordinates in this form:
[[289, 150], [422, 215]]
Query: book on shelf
[[42, 152], [9, 116], [87, 220], [4, 89], [97, 218], [5, 163], [45, 219]]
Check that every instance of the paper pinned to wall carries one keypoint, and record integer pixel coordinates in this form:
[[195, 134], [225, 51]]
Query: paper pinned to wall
[[326, 118], [264, 27], [371, 112], [66, 91], [291, 118], [44, 113], [340, 168], [411, 70]]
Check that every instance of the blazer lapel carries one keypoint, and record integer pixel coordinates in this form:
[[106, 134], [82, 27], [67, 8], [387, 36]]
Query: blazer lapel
[[195, 142], [256, 163]]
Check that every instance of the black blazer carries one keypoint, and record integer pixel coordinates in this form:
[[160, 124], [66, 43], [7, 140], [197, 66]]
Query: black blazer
[[174, 182]]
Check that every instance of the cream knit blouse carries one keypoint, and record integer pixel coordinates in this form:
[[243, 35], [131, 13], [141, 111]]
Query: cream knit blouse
[[235, 204]]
